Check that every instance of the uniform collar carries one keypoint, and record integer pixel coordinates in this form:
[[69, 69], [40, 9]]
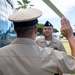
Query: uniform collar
[[23, 41], [53, 40]]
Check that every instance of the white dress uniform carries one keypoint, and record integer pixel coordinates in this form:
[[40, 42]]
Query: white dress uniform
[[24, 57]]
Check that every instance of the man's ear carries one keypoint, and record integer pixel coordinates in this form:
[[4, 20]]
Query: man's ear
[[35, 29], [52, 30]]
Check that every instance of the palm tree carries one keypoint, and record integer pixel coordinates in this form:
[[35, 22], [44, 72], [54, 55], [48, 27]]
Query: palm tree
[[23, 4]]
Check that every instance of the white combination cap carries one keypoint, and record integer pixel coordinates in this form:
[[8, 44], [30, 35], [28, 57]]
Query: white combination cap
[[25, 15]]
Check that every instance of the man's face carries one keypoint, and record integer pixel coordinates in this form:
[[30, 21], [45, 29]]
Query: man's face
[[47, 31]]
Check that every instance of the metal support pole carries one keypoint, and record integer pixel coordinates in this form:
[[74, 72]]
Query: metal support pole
[[53, 7]]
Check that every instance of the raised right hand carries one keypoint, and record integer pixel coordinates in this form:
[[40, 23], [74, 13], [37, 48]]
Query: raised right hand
[[66, 29]]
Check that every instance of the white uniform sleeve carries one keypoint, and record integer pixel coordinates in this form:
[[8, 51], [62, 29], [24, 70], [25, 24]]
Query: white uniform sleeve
[[66, 63]]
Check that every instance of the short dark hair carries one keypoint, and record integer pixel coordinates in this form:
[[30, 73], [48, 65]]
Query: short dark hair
[[23, 30]]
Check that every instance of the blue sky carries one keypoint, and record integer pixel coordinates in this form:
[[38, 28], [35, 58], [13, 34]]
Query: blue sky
[[67, 7], [56, 20], [70, 16]]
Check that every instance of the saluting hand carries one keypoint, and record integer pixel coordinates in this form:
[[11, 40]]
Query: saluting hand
[[66, 29]]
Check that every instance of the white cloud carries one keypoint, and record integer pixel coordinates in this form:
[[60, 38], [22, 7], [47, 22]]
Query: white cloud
[[63, 5], [47, 12]]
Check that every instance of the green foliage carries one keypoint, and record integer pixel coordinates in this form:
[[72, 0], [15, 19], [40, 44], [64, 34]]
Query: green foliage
[[23, 4], [19, 3], [55, 30], [25, 1], [40, 27], [61, 36]]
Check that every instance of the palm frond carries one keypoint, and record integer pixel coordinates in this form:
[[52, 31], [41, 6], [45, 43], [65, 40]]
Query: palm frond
[[23, 4], [31, 5], [23, 7], [19, 3], [25, 1], [17, 8]]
